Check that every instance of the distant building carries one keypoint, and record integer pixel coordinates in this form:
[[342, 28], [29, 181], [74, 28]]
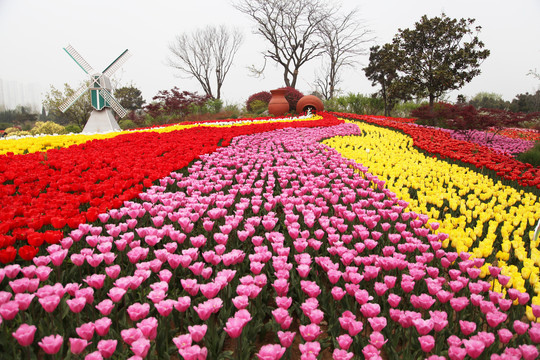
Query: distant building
[[15, 93]]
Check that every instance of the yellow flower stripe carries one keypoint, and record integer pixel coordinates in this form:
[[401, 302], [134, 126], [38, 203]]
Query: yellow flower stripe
[[27, 145], [480, 216]]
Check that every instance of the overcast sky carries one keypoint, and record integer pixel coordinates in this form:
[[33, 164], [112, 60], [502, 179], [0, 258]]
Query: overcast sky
[[33, 33]]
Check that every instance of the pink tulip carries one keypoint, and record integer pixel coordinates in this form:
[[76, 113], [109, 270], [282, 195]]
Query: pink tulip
[[183, 303], [467, 327], [76, 305], [440, 320], [459, 303], [310, 349], [423, 301], [107, 347], [370, 310], [49, 303], [116, 294], [495, 318], [423, 327], [148, 327], [355, 327], [234, 327], [286, 338], [197, 332], [377, 339], [86, 331], [474, 348], [241, 302], [344, 341], [427, 343], [77, 346], [113, 271], [505, 335], [310, 332], [51, 344], [95, 355], [456, 353], [534, 333], [370, 352], [131, 335], [165, 307], [140, 347], [105, 307], [339, 354], [10, 309], [25, 334], [138, 311], [271, 352], [394, 300], [520, 327], [102, 326], [529, 352], [183, 341]]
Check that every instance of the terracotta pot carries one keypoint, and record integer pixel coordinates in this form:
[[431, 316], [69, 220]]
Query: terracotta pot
[[278, 105], [310, 102]]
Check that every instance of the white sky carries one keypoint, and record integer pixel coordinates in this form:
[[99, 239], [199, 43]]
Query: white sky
[[33, 33]]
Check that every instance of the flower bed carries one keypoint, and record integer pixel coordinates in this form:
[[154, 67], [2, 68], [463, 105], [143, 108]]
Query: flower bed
[[517, 133], [487, 219], [43, 192], [440, 142], [504, 144], [275, 245]]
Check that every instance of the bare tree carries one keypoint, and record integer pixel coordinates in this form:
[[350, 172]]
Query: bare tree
[[342, 37], [205, 52], [292, 29]]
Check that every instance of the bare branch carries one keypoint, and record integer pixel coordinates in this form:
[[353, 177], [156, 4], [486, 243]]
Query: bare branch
[[343, 39], [206, 52], [291, 29]]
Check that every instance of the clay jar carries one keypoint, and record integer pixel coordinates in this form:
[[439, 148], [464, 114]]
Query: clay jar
[[278, 105], [310, 102]]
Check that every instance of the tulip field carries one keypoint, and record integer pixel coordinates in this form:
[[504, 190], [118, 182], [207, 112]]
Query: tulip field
[[333, 236]]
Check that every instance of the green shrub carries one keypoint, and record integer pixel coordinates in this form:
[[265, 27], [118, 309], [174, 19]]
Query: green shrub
[[4, 126], [231, 112], [11, 130], [48, 128], [19, 133], [532, 156], [73, 128], [258, 106], [264, 96], [127, 124], [404, 109]]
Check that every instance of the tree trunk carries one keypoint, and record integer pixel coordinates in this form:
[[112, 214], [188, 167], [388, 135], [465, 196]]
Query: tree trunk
[[431, 100], [286, 78], [294, 78]]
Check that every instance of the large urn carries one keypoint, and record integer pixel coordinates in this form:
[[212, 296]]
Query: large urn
[[311, 103], [278, 105]]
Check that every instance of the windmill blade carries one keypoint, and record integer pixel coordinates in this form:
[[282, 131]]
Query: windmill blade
[[115, 105], [73, 98], [116, 64], [79, 60]]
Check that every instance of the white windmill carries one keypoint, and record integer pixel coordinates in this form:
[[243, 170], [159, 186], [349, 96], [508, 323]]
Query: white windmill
[[102, 118]]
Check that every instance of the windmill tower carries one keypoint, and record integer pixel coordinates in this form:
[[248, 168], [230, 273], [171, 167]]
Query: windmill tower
[[102, 117]]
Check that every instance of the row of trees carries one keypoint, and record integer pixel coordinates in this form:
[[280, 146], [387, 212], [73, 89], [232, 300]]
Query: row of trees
[[297, 31], [526, 103], [435, 56]]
